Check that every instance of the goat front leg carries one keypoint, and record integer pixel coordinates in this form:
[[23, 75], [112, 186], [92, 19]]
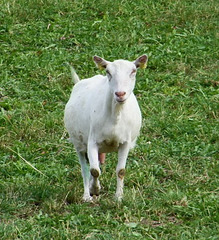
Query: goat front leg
[[94, 168], [120, 169]]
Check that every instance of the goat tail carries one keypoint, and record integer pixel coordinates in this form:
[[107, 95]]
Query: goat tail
[[74, 75]]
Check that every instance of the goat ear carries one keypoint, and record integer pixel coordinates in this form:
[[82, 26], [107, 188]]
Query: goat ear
[[100, 62], [141, 62]]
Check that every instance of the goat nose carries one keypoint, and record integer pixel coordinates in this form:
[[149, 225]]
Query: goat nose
[[120, 94]]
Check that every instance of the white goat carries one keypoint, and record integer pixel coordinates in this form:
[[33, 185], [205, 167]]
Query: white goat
[[101, 116]]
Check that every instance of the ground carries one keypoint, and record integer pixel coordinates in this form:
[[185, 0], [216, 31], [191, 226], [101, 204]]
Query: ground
[[171, 182]]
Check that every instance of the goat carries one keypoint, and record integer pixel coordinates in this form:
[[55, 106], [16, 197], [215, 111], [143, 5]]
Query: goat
[[102, 116]]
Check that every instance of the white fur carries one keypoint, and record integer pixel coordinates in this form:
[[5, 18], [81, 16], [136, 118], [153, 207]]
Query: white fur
[[101, 116]]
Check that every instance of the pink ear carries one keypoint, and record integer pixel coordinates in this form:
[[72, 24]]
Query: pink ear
[[100, 62], [141, 61], [97, 59]]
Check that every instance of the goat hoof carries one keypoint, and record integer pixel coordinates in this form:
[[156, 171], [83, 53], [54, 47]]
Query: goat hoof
[[94, 192], [118, 197], [94, 195], [95, 187], [88, 199]]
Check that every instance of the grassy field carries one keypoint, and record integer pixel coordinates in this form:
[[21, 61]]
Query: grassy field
[[171, 185]]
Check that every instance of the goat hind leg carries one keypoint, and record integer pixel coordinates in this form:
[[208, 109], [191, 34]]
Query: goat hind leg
[[86, 176]]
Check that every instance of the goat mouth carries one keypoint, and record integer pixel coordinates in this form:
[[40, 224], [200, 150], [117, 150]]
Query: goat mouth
[[121, 101]]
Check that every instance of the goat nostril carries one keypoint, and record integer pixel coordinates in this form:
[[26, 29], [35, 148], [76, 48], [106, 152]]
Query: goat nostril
[[120, 94]]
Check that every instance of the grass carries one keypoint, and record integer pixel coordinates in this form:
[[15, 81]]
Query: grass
[[171, 185]]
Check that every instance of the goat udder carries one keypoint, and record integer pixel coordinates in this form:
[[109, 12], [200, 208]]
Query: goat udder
[[102, 157]]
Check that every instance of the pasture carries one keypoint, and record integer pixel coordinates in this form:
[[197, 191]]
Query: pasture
[[171, 185]]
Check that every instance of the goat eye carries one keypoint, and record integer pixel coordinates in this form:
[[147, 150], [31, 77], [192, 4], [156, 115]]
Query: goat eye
[[133, 71], [108, 74]]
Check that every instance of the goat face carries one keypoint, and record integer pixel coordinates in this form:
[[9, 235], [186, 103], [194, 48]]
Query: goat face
[[121, 75]]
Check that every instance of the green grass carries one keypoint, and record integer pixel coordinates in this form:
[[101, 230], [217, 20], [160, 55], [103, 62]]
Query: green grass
[[171, 185]]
